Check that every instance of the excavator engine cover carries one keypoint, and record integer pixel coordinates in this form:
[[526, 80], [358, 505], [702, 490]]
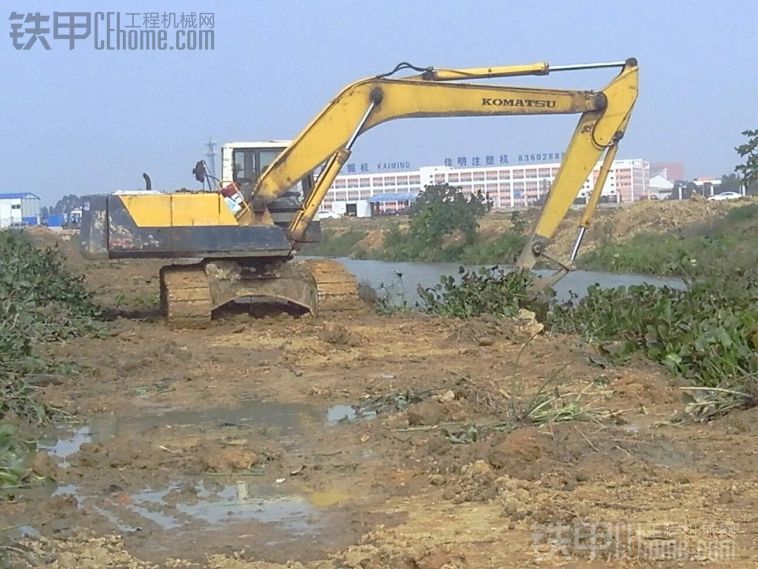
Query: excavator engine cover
[[159, 226]]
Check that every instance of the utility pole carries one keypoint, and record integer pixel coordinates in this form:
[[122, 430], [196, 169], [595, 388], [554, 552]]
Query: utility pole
[[211, 156]]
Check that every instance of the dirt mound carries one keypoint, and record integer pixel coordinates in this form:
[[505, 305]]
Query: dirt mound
[[85, 551], [338, 335], [618, 224], [443, 409], [485, 330], [205, 456], [665, 216], [518, 453], [45, 237], [227, 458], [67, 241], [374, 239]]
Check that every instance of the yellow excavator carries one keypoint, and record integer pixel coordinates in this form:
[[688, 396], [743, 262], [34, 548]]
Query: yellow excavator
[[246, 233]]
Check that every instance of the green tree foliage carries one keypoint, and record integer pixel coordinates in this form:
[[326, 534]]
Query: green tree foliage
[[729, 183], [443, 210], [66, 204], [748, 171], [519, 223], [683, 190], [443, 226]]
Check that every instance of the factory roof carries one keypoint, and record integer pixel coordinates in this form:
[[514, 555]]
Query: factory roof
[[400, 197], [18, 195]]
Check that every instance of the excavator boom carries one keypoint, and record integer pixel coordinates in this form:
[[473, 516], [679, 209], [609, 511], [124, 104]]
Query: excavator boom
[[438, 93]]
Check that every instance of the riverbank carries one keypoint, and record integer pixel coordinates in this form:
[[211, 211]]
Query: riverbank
[[646, 237], [726, 240]]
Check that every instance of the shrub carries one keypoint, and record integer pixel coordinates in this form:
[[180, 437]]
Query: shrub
[[40, 301], [488, 290]]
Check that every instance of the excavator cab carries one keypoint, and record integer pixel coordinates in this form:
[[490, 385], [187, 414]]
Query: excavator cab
[[248, 162], [243, 163]]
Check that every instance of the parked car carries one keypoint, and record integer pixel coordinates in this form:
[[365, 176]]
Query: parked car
[[328, 215], [725, 196]]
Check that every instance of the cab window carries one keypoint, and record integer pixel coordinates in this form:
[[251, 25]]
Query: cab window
[[266, 157], [245, 169]]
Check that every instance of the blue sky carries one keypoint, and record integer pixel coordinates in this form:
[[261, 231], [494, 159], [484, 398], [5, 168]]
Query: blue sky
[[85, 121]]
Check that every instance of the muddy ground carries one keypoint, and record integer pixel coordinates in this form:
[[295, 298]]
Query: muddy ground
[[371, 442]]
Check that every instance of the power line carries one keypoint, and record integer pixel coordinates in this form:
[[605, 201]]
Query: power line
[[210, 156]]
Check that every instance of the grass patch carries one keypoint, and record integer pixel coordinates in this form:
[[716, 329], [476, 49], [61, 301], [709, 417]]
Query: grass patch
[[14, 455], [392, 298], [743, 213], [731, 240], [40, 301], [338, 244], [659, 254]]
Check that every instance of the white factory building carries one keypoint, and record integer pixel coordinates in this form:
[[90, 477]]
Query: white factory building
[[508, 187], [17, 209]]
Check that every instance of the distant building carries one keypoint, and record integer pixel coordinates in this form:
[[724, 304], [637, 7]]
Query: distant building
[[660, 187], [707, 185], [17, 209], [508, 187], [357, 208], [672, 171], [701, 181]]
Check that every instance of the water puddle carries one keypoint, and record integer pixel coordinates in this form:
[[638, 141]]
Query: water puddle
[[347, 414], [240, 507], [206, 502], [27, 531], [68, 444], [283, 420], [210, 504], [262, 504], [286, 418], [66, 490]]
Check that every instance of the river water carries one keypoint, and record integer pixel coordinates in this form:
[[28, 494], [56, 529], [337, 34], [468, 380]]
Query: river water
[[377, 273]]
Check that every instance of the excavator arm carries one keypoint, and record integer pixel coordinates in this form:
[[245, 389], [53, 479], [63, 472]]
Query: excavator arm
[[328, 139]]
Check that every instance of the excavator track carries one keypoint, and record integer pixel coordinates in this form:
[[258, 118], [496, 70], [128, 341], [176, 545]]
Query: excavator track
[[338, 289], [185, 296]]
